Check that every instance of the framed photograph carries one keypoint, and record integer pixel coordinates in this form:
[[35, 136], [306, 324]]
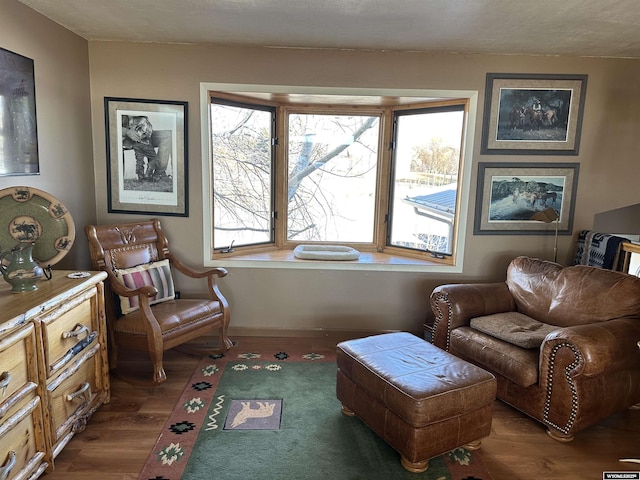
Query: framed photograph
[[18, 132], [533, 114], [147, 156], [509, 194]]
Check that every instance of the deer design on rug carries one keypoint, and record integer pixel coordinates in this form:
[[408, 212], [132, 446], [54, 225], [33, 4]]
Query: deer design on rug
[[264, 410]]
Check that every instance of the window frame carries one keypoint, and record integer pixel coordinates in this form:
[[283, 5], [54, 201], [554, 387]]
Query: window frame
[[261, 106], [437, 107], [386, 257], [283, 206]]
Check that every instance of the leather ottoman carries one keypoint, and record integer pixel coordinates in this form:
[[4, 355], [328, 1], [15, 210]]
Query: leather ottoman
[[420, 399]]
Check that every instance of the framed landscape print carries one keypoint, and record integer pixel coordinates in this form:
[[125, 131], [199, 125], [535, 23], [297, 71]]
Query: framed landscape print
[[18, 132], [147, 156], [533, 114], [509, 194]]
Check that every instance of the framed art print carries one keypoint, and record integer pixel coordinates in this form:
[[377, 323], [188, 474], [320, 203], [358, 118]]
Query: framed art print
[[147, 156], [533, 114], [510, 194], [18, 129]]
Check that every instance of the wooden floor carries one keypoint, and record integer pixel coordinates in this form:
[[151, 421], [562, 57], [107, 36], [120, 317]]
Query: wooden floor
[[121, 434]]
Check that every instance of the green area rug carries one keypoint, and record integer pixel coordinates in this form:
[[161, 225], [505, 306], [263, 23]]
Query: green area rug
[[275, 416]]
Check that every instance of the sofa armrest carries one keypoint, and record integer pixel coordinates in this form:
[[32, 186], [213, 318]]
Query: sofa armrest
[[593, 349], [578, 364], [454, 305]]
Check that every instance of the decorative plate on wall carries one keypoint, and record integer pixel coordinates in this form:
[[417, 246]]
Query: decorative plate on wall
[[31, 215]]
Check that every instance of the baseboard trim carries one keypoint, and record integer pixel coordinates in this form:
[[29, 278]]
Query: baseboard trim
[[305, 333]]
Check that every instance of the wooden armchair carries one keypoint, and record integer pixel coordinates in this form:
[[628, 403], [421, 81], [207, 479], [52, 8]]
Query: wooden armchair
[[157, 321]]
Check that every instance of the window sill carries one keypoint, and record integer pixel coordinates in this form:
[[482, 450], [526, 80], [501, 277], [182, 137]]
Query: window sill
[[284, 259]]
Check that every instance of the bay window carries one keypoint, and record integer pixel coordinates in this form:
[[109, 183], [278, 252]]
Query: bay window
[[381, 174]]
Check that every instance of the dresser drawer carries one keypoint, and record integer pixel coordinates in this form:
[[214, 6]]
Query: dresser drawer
[[18, 369], [75, 394], [69, 330], [22, 446]]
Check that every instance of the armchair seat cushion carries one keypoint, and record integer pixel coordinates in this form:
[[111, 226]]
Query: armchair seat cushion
[[519, 365], [513, 327], [173, 315]]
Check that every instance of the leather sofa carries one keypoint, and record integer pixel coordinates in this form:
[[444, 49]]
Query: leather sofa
[[562, 342]]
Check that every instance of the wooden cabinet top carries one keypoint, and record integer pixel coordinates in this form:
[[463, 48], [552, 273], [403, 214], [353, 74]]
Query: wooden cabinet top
[[19, 308]]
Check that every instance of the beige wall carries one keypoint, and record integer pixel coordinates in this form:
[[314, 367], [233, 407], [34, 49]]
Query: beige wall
[[306, 299], [61, 67], [363, 300]]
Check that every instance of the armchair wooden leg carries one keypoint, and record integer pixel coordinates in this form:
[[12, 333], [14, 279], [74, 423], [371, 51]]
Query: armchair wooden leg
[[159, 375], [156, 352], [225, 341], [559, 436]]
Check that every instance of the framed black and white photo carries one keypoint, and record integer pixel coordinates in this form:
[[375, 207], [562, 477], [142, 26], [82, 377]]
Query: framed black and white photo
[[510, 194], [533, 114], [18, 126], [147, 156]]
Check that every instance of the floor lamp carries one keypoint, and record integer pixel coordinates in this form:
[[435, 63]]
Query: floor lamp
[[549, 215]]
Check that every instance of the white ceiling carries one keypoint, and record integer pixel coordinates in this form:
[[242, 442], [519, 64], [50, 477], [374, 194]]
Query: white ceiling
[[601, 28]]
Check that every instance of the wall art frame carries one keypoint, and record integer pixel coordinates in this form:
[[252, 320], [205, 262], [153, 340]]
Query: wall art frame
[[18, 125], [533, 114], [509, 194], [147, 156]]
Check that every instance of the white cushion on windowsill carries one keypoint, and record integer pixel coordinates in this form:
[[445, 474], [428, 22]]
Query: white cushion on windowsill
[[326, 252]]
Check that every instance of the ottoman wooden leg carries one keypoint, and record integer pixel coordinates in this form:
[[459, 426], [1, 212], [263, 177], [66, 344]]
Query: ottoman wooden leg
[[414, 467], [347, 411], [475, 445]]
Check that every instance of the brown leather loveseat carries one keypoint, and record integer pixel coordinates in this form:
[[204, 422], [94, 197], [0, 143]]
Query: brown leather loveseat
[[561, 341]]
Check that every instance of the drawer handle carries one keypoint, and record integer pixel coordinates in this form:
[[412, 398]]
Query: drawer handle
[[78, 330], [6, 469], [73, 351], [82, 344], [5, 380], [84, 391]]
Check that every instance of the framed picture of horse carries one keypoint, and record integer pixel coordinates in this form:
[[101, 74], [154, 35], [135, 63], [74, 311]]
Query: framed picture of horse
[[510, 194], [533, 114]]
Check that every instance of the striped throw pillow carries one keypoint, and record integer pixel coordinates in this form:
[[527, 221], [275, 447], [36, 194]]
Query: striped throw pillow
[[157, 274]]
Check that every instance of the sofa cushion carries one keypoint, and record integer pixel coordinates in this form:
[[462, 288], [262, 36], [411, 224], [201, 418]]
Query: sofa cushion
[[519, 365], [157, 274], [513, 327]]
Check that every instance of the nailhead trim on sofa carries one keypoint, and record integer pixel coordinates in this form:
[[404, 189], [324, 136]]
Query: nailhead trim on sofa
[[441, 297], [574, 394]]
